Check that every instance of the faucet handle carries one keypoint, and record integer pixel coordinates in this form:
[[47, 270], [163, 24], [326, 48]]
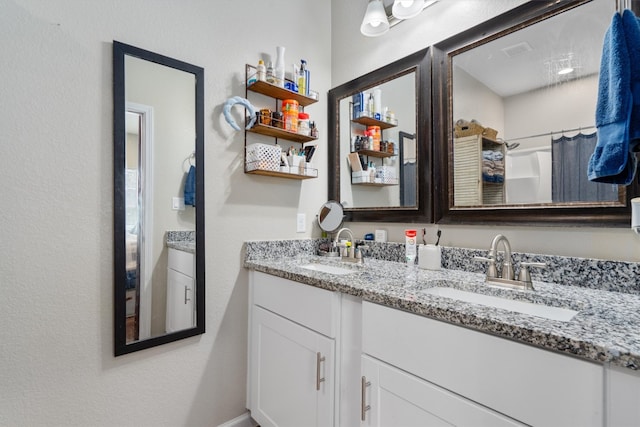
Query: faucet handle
[[524, 275], [491, 269]]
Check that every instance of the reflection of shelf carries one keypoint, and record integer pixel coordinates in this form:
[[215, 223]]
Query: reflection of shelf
[[280, 92], [311, 173], [280, 133], [373, 153], [370, 121], [373, 184]]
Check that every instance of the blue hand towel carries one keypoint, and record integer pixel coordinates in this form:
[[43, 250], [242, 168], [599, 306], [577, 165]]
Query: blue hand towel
[[631, 26], [190, 187], [611, 161]]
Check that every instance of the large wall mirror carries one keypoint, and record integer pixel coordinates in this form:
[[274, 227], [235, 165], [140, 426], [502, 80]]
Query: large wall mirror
[[514, 108], [158, 199], [380, 143]]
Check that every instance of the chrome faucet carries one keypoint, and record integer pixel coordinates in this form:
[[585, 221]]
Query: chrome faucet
[[349, 254], [507, 275], [507, 265]]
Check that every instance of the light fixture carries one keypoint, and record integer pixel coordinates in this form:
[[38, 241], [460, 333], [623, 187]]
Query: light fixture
[[405, 9], [375, 22], [566, 70]]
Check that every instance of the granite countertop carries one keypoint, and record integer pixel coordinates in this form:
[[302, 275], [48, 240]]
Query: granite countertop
[[183, 246], [606, 328], [181, 240]]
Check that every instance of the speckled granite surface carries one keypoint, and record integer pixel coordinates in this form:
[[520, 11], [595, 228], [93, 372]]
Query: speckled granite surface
[[606, 328], [182, 240]]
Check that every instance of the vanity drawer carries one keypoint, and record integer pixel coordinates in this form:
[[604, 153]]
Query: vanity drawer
[[183, 262], [532, 385], [315, 308]]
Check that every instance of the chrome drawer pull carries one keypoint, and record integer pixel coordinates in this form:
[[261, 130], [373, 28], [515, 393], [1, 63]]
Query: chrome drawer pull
[[364, 408], [319, 360]]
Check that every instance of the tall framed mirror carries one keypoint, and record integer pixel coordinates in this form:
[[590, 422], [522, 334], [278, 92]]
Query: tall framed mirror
[[380, 143], [514, 119], [159, 274]]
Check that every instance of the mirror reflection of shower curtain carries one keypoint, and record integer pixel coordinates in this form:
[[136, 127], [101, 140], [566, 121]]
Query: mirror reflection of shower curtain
[[570, 158], [408, 154]]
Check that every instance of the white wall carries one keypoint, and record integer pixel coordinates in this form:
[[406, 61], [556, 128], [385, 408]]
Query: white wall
[[56, 162], [446, 18]]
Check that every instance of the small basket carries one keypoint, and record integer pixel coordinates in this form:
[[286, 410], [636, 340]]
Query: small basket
[[471, 128], [490, 133], [263, 157], [468, 129]]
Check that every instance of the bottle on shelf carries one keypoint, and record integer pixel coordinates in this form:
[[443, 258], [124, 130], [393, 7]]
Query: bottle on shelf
[[279, 71], [261, 71], [304, 126], [303, 80], [271, 78]]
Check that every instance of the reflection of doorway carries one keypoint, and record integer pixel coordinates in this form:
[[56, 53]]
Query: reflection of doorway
[[407, 153], [138, 157]]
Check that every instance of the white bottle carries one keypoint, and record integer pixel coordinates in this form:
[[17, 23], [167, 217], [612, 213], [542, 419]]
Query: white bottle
[[279, 72], [377, 103], [261, 70], [410, 246]]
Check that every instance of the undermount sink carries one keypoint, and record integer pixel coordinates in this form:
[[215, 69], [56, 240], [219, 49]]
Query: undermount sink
[[324, 268], [539, 310]]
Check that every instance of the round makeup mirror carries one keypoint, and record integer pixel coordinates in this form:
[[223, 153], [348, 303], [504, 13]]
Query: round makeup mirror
[[330, 216]]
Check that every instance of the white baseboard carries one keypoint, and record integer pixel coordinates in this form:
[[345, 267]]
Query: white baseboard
[[243, 420]]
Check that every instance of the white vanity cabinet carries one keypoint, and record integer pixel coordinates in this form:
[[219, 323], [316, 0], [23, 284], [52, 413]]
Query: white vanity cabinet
[[292, 353], [472, 378], [180, 290], [392, 397], [623, 397]]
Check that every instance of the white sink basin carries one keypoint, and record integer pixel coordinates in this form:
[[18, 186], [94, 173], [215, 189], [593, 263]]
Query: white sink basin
[[331, 269], [539, 310]]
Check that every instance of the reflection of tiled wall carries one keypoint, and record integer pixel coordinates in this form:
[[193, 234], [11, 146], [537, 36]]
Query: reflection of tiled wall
[[616, 276]]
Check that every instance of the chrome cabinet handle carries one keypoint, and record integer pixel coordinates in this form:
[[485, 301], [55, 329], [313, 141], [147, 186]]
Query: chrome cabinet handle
[[363, 407], [319, 360], [186, 298]]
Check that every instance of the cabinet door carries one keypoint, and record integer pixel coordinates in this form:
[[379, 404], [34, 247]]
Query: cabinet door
[[180, 301], [292, 373], [392, 397]]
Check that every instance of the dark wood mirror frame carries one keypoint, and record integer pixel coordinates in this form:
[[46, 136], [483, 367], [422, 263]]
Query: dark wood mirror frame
[[494, 28], [120, 50], [423, 212]]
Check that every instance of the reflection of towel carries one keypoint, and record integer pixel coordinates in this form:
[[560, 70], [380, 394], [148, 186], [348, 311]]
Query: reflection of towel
[[492, 155], [190, 188], [493, 170], [616, 118]]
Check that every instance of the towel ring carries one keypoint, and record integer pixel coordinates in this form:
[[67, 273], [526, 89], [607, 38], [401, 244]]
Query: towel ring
[[188, 160]]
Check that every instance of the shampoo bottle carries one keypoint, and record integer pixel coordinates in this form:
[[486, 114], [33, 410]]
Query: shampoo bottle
[[261, 70]]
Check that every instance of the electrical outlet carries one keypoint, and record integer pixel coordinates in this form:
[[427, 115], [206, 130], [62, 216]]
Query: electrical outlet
[[301, 223], [177, 204]]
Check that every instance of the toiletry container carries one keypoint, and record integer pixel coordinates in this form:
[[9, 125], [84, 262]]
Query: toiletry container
[[303, 87], [304, 127], [290, 114], [375, 132], [271, 78], [429, 257], [261, 70], [377, 103], [279, 71], [410, 246]]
